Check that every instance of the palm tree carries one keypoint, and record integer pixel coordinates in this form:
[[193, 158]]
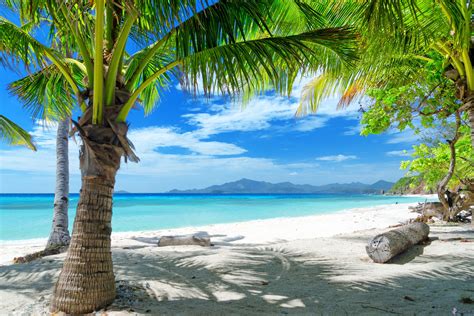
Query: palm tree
[[226, 46], [397, 38], [14, 134], [59, 236], [45, 95]]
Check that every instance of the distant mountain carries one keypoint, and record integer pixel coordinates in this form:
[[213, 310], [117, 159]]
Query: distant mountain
[[247, 186], [122, 192], [382, 185]]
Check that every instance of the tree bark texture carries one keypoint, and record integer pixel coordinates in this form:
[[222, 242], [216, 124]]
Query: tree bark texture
[[385, 246], [441, 188], [87, 282], [59, 235]]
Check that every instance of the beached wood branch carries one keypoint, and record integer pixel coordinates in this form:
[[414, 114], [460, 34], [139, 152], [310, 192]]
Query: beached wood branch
[[192, 240], [429, 209], [54, 250], [385, 246]]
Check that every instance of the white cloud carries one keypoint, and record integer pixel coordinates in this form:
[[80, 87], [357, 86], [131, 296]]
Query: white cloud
[[26, 171], [44, 160], [262, 111], [151, 138], [353, 130], [146, 140], [336, 158], [406, 136], [257, 115], [310, 123], [398, 153], [207, 161]]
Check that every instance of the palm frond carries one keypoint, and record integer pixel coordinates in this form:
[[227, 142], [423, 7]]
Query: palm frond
[[14, 134], [391, 36], [151, 94], [253, 63], [45, 93], [236, 47], [17, 46], [409, 24]]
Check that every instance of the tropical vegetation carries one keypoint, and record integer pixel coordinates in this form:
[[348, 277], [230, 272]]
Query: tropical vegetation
[[415, 71], [396, 40]]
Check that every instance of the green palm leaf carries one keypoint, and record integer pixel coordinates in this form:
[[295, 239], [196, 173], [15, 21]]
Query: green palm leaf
[[45, 93], [14, 134]]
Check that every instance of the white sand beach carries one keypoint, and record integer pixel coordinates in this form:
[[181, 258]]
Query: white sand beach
[[301, 265]]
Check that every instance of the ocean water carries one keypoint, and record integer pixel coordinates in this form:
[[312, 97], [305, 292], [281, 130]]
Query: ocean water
[[26, 216]]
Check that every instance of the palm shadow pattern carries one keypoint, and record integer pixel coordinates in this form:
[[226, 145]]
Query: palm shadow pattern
[[266, 279]]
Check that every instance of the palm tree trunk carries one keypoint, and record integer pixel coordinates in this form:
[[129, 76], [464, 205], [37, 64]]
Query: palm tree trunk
[[87, 282], [59, 232]]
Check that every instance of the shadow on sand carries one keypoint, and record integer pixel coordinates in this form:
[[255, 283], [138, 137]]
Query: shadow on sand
[[235, 279]]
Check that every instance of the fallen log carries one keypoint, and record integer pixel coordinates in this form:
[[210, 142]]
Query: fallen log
[[385, 246], [184, 241]]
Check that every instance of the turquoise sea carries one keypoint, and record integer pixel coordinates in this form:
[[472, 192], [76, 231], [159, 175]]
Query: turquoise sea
[[26, 216]]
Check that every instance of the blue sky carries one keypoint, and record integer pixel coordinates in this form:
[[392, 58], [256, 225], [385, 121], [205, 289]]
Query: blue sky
[[190, 142], [193, 142]]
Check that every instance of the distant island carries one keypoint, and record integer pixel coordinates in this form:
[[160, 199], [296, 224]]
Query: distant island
[[247, 186]]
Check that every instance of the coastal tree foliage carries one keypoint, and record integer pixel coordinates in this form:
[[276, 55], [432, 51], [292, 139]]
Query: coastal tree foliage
[[415, 71], [426, 101], [396, 40], [109, 57], [428, 106], [431, 160]]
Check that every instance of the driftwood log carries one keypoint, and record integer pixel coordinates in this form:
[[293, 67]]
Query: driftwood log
[[184, 241], [385, 246]]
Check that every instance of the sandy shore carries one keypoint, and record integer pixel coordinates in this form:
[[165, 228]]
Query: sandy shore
[[302, 265]]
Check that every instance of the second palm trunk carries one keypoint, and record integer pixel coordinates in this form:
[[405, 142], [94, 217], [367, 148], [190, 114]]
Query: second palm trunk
[[59, 235]]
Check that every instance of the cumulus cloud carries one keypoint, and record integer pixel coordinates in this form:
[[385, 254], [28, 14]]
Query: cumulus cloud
[[151, 138], [257, 115], [27, 171], [336, 158], [311, 123], [398, 137], [44, 160], [262, 111], [219, 161], [353, 130]]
